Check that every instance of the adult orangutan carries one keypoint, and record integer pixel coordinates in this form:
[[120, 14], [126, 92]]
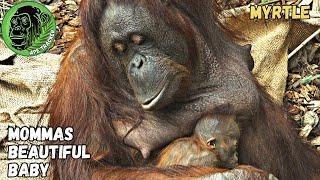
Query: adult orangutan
[[143, 72]]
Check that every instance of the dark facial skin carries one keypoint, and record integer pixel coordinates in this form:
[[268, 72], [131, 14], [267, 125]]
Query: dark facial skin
[[153, 60], [20, 29], [213, 144]]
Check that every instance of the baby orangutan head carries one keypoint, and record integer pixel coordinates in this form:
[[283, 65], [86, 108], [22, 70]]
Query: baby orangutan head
[[221, 136], [214, 144]]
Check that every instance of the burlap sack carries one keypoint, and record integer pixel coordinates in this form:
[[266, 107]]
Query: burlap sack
[[272, 41], [23, 90]]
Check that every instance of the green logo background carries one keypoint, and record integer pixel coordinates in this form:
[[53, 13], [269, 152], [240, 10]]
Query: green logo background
[[28, 33]]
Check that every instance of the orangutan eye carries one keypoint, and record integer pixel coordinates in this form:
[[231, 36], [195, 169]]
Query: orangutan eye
[[24, 20], [119, 47], [14, 21], [137, 39], [212, 142]]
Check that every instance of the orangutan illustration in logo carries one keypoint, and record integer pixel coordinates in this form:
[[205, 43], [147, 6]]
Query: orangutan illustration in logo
[[26, 26]]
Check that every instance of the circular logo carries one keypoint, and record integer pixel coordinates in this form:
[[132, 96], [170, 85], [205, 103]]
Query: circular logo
[[28, 28]]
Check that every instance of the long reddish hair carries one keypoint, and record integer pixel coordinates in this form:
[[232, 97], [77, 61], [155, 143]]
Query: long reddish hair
[[88, 96]]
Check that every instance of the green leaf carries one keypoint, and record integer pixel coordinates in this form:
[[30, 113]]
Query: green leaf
[[44, 35], [307, 80]]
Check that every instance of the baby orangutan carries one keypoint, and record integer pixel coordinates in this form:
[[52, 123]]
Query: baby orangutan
[[213, 144]]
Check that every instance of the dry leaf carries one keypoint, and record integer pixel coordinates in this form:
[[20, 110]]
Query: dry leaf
[[316, 141], [74, 22], [293, 109], [314, 104], [310, 118], [305, 131]]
